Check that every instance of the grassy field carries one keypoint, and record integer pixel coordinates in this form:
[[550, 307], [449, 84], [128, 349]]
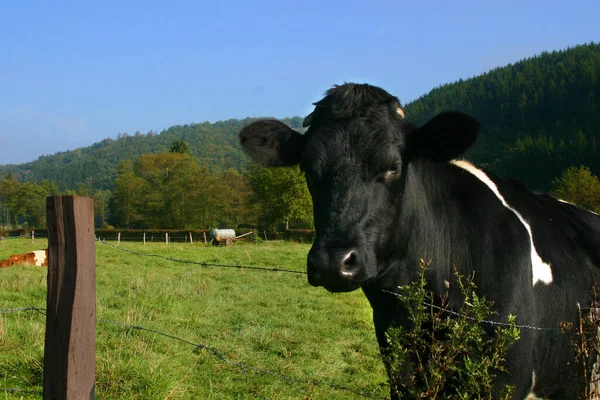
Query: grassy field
[[273, 321]]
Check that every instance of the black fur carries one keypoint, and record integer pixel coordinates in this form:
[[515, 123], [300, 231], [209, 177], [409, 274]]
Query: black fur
[[385, 196]]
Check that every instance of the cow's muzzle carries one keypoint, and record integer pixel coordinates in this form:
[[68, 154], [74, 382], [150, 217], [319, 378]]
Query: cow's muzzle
[[337, 269]]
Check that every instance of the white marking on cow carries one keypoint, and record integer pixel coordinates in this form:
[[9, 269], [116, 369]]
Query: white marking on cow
[[542, 272], [40, 257], [575, 205], [531, 395]]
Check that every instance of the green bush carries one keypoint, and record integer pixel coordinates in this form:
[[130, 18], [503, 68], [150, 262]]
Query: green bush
[[450, 355]]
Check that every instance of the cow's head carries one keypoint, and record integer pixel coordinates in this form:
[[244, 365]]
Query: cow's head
[[355, 155]]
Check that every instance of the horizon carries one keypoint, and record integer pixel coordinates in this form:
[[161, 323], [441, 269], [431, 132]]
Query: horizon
[[78, 74]]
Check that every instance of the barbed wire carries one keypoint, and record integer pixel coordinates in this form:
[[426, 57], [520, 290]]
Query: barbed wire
[[210, 350], [21, 309], [24, 391], [457, 314], [202, 263]]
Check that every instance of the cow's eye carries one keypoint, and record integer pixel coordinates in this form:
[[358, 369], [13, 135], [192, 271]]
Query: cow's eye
[[394, 169], [390, 173]]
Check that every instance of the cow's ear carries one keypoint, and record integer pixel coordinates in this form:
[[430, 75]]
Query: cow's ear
[[272, 143], [445, 137]]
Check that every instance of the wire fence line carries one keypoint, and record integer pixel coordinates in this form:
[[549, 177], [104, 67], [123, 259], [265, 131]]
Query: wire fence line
[[198, 347], [202, 263], [399, 295], [23, 391]]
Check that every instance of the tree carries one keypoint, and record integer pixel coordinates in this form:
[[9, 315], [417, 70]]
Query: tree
[[126, 197], [180, 146], [282, 195], [577, 185], [101, 201], [235, 199], [9, 189]]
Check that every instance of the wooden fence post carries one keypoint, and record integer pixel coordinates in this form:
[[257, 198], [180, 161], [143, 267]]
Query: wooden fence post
[[119, 239], [144, 238], [32, 236], [70, 346], [167, 238], [191, 239], [204, 237]]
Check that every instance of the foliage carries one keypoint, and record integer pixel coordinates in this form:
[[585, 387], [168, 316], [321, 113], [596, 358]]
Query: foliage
[[577, 185], [450, 356], [24, 204], [267, 320], [173, 191], [585, 342], [214, 145], [541, 111], [282, 195], [180, 146]]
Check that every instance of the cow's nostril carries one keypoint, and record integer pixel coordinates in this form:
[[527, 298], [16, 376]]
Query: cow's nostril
[[349, 265]]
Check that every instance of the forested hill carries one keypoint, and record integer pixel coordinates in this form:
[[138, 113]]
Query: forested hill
[[214, 145], [539, 116]]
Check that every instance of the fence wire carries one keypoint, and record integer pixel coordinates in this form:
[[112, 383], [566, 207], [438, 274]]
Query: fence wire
[[489, 322], [23, 391], [202, 263], [198, 347]]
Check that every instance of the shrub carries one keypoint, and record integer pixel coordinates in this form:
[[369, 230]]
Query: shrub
[[449, 354]]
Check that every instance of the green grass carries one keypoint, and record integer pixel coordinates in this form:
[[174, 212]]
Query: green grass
[[268, 320]]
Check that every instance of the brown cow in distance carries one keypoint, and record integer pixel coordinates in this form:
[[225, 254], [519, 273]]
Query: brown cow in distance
[[38, 258]]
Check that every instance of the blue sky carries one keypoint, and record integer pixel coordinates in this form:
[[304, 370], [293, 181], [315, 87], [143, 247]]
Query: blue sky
[[74, 73]]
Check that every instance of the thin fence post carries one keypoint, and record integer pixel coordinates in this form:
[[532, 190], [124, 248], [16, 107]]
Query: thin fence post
[[167, 238], [119, 239], [265, 236], [144, 238], [70, 341], [191, 239], [32, 236], [204, 237]]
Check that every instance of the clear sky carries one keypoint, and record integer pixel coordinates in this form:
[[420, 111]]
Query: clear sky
[[74, 73]]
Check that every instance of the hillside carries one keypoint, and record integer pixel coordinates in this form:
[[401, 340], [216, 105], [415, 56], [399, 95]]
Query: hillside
[[214, 145], [539, 116]]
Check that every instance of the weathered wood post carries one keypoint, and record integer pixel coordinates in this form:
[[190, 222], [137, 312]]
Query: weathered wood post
[[144, 238], [204, 237], [167, 238], [32, 236], [191, 239], [70, 346], [119, 239]]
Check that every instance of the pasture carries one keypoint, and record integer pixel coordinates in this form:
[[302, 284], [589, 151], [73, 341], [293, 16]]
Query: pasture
[[270, 321]]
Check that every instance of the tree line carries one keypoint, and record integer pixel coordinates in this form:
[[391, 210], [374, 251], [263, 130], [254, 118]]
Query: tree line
[[172, 190]]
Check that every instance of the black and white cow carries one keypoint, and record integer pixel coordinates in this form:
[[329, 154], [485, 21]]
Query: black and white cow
[[387, 193]]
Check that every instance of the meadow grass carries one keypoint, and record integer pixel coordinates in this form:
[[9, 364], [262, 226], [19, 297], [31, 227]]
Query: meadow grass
[[267, 320]]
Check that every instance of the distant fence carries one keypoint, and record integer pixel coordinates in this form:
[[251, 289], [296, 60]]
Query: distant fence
[[175, 236]]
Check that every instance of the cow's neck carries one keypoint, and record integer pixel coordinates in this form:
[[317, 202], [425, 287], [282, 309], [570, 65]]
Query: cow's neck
[[437, 209]]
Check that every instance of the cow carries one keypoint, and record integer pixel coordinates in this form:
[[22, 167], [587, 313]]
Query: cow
[[387, 193], [38, 258]]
